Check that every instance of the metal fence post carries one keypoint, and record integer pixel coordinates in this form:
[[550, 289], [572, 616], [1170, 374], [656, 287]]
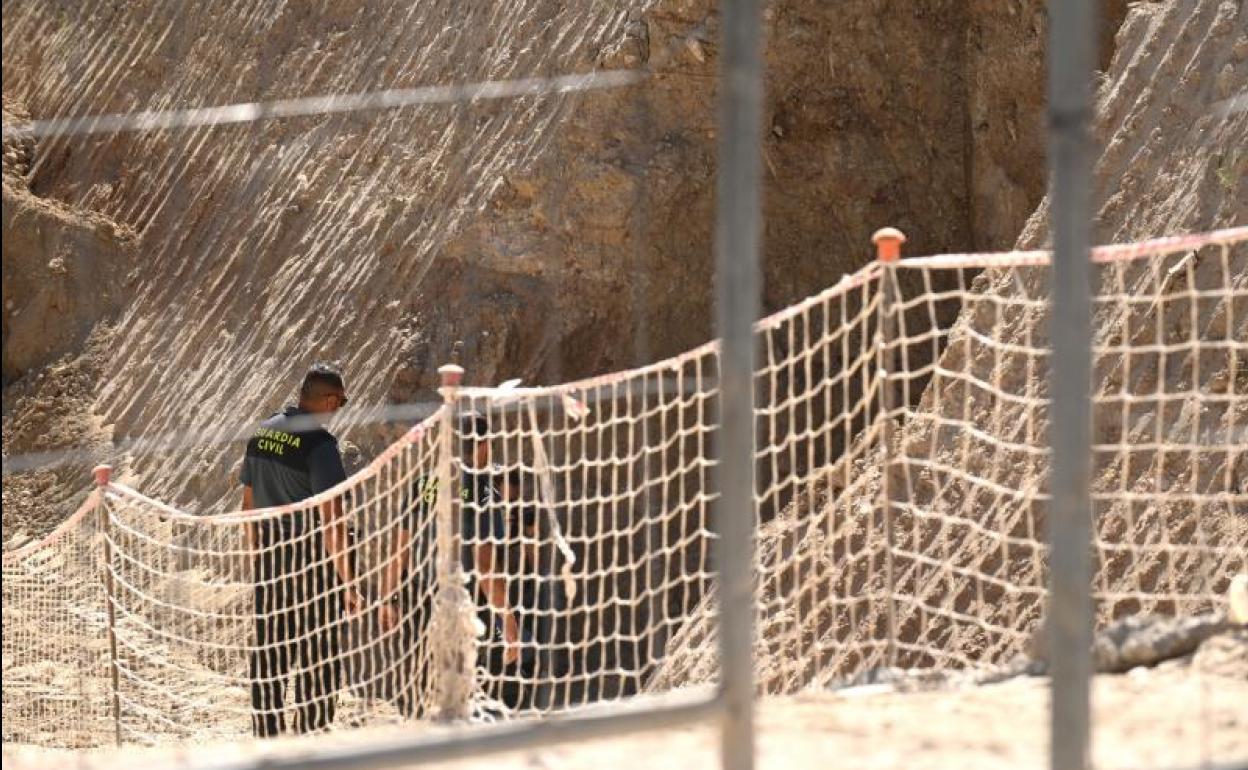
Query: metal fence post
[[888, 251], [1072, 56], [454, 645], [103, 475], [738, 227]]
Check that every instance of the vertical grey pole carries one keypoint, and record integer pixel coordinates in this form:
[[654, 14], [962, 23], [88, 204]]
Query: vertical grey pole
[[103, 475], [1072, 53], [737, 234]]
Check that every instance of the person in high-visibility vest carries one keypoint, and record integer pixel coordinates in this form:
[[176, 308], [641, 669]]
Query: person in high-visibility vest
[[533, 588], [407, 585]]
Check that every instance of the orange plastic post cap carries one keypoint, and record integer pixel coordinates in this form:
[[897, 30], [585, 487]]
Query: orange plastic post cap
[[452, 375], [888, 244], [103, 474]]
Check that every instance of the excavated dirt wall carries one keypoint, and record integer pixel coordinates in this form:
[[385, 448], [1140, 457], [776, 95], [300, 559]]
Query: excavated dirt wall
[[556, 237], [1171, 469]]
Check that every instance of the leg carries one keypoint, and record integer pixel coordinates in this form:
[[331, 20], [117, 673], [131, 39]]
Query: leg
[[543, 640], [317, 685], [503, 679], [406, 700], [401, 668], [414, 672], [316, 688], [270, 660]]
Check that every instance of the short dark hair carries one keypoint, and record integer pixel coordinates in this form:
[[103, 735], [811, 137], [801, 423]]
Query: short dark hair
[[473, 429], [473, 425], [320, 380]]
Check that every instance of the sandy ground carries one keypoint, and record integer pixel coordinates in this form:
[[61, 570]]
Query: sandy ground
[[1171, 716]]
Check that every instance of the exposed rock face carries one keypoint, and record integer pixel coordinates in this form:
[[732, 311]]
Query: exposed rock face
[[556, 236], [1170, 163], [64, 271], [62, 266], [273, 245], [1005, 85]]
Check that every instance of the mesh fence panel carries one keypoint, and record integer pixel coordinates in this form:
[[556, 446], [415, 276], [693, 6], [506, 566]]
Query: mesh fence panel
[[57, 685], [613, 476], [957, 455], [531, 549], [1170, 503], [219, 635]]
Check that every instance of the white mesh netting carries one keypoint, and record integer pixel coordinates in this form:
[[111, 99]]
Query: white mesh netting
[[965, 448], [901, 494]]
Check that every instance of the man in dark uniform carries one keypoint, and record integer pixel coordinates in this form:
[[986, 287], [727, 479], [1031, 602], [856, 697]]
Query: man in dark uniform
[[533, 592], [302, 571], [411, 570]]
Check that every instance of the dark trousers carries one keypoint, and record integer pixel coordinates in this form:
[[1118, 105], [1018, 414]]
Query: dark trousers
[[407, 696], [401, 676], [527, 683], [298, 607]]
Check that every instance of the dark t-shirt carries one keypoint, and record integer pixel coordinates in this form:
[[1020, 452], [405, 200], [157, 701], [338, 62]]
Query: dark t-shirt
[[481, 518], [290, 459], [481, 521]]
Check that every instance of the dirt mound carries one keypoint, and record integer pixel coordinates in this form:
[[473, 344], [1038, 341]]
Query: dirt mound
[[63, 267], [802, 582], [18, 152], [1163, 170], [64, 270], [64, 276], [52, 410]]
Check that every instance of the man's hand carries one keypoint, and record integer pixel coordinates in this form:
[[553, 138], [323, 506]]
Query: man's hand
[[511, 639], [392, 575], [493, 588], [352, 602], [387, 616]]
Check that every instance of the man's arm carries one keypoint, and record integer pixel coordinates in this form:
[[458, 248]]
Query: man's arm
[[392, 573], [337, 546], [493, 587], [392, 576], [416, 508], [326, 471], [249, 503], [249, 528]]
